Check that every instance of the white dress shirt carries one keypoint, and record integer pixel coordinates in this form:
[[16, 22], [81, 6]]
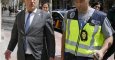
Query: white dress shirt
[[28, 49]]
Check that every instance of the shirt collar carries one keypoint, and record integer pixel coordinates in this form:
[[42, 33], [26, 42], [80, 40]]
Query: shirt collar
[[87, 14], [89, 10], [34, 11]]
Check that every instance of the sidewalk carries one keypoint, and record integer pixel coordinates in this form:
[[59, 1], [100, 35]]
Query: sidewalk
[[4, 44], [5, 34]]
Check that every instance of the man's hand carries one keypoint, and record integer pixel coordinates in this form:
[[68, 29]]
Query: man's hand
[[51, 58], [7, 54], [62, 58], [98, 55], [62, 55]]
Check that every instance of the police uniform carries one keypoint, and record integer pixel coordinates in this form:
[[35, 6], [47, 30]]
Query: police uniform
[[85, 33]]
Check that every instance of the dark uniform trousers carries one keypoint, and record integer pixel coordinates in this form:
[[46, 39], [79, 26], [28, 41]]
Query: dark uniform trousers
[[69, 56]]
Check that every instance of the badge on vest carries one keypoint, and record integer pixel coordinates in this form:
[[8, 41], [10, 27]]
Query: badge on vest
[[84, 35]]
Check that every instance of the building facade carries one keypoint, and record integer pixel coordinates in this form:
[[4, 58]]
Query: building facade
[[56, 4], [62, 4]]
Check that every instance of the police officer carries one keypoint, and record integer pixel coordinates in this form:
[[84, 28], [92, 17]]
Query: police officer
[[87, 33]]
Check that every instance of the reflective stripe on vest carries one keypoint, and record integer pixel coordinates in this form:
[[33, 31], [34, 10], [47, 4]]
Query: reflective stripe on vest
[[78, 47]]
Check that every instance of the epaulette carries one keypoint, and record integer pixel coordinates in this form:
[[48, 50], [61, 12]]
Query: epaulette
[[72, 14]]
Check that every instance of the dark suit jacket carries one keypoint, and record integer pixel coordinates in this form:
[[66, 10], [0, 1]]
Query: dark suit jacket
[[41, 30]]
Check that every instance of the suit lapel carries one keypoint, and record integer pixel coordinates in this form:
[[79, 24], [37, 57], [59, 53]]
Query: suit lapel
[[35, 19], [23, 21]]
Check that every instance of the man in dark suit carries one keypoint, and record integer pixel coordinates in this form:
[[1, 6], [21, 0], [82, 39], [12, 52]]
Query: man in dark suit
[[32, 30]]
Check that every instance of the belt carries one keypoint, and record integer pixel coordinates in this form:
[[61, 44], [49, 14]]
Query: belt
[[28, 55]]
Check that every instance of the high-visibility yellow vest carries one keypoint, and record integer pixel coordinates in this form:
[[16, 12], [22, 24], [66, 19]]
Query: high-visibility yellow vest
[[78, 47]]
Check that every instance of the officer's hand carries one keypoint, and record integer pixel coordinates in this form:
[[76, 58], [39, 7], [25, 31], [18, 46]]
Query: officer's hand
[[98, 55], [7, 54]]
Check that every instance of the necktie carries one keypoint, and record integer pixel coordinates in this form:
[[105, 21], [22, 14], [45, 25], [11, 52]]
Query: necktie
[[82, 23], [27, 24]]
